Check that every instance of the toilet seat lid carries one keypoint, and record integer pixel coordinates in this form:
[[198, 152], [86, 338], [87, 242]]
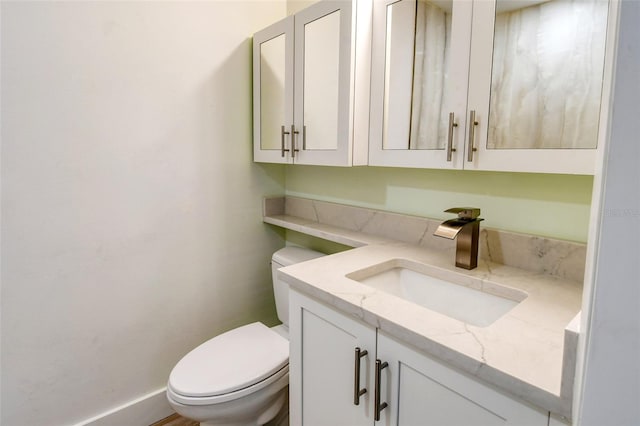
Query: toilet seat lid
[[231, 361]]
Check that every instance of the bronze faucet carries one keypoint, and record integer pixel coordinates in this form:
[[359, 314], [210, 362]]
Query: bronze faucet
[[466, 227]]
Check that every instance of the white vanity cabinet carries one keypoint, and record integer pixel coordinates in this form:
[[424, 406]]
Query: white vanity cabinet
[[491, 84], [311, 86], [416, 389]]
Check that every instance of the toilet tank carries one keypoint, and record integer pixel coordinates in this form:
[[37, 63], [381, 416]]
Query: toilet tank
[[285, 257]]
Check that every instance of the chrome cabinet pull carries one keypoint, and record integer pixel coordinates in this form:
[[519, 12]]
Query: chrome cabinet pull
[[282, 148], [357, 392], [293, 141], [304, 138], [377, 406], [450, 148], [472, 135]]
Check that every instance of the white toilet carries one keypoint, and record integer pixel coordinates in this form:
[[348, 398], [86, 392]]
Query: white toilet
[[240, 377]]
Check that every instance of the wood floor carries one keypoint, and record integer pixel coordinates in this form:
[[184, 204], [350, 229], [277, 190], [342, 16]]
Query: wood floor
[[176, 420], [282, 419]]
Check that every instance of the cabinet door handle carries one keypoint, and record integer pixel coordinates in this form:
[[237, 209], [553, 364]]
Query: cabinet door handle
[[472, 134], [377, 406], [357, 392], [282, 148], [304, 138], [450, 148], [293, 141]]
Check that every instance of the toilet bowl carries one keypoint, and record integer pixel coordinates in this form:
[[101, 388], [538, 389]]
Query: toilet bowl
[[241, 377]]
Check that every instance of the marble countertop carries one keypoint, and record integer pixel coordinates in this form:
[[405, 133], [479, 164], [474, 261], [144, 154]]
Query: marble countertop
[[529, 352]]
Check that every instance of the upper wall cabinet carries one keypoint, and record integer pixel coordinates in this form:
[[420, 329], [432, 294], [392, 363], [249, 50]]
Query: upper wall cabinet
[[273, 91], [311, 86], [491, 84]]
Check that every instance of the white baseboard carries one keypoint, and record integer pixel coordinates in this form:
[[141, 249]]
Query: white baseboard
[[142, 411]]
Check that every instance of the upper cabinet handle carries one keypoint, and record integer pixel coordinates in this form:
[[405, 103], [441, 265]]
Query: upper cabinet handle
[[304, 137], [472, 135], [293, 141], [450, 148], [282, 133]]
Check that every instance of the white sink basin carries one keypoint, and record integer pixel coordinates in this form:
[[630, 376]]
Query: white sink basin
[[468, 300]]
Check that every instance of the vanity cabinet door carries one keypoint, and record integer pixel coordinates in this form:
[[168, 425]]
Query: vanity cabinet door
[[419, 79], [422, 391], [322, 365], [539, 84], [273, 92]]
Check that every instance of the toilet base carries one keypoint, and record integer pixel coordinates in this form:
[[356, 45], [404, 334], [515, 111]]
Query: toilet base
[[282, 417], [258, 409], [268, 418]]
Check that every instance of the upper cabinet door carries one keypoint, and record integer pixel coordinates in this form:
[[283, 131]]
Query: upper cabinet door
[[322, 83], [273, 92], [539, 84], [419, 76]]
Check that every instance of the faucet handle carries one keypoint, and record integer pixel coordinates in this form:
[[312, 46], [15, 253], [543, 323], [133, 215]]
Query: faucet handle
[[465, 212]]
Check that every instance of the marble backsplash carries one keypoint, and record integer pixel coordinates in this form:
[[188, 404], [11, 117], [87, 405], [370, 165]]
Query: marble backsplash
[[560, 258]]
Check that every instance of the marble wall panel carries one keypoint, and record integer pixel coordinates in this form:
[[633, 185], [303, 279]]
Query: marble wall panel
[[560, 258]]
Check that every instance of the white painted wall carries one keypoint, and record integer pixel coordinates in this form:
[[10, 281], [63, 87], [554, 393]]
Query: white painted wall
[[609, 373], [131, 210], [294, 6]]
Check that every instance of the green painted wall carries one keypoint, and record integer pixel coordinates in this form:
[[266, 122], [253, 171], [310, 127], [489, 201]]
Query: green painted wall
[[556, 206]]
